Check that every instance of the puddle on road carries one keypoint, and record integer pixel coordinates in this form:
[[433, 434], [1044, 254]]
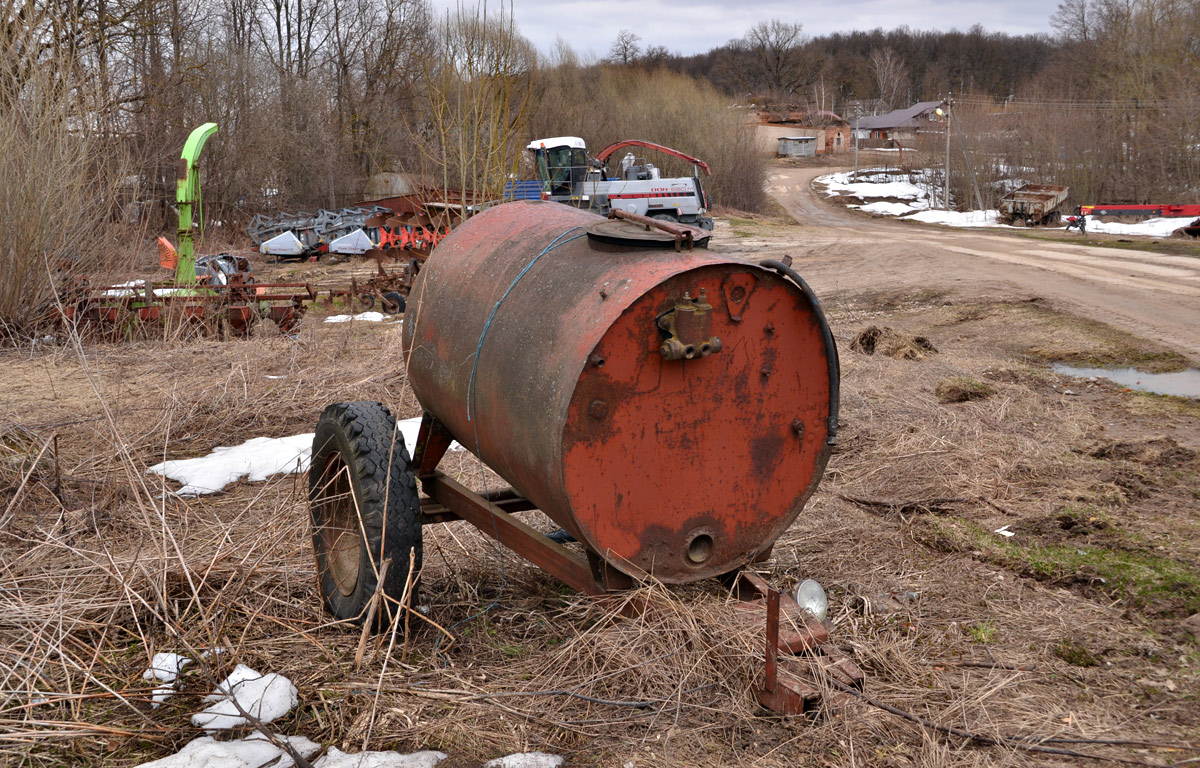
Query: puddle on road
[[1181, 383]]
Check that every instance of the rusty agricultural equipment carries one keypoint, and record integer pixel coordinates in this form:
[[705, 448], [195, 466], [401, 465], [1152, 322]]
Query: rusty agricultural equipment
[[1033, 204], [221, 309], [351, 231], [405, 239], [671, 410], [215, 292], [389, 289]]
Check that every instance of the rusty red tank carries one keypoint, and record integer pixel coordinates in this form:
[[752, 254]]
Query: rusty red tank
[[672, 410]]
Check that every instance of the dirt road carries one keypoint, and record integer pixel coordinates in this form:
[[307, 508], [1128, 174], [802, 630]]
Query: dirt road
[[1153, 295]]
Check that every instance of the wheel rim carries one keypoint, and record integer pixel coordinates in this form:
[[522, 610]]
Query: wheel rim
[[341, 537]]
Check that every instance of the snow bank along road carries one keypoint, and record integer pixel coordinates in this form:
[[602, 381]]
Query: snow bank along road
[[1153, 295]]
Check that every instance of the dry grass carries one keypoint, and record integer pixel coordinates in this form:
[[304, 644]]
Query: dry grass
[[111, 570]]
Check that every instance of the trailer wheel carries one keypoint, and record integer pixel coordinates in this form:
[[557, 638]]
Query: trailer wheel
[[394, 302], [365, 510]]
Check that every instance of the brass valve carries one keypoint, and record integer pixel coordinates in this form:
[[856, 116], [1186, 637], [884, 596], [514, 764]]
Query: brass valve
[[688, 327]]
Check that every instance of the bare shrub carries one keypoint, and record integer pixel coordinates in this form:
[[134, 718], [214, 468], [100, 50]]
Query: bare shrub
[[57, 182], [478, 89]]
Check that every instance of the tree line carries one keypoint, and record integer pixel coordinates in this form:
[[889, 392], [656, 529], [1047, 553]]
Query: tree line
[[1109, 104], [314, 96]]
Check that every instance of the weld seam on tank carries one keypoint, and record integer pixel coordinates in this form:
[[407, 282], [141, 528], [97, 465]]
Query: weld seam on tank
[[831, 352], [488, 325]]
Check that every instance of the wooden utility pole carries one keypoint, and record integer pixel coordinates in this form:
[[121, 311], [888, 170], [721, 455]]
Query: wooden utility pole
[[946, 198], [857, 117]]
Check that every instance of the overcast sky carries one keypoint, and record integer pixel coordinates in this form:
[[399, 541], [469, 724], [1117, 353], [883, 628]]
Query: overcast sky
[[694, 26]]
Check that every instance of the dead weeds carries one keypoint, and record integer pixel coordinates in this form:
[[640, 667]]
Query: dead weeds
[[110, 568]]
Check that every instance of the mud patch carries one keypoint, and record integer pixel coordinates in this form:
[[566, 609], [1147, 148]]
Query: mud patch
[[892, 343], [960, 389], [1154, 452]]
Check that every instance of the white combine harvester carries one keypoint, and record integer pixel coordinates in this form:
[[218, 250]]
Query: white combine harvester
[[567, 175]]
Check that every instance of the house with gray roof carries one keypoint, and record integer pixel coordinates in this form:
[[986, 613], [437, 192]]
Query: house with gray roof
[[901, 124]]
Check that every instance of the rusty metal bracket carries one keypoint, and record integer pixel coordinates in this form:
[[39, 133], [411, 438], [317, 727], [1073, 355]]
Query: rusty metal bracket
[[737, 289], [790, 686], [433, 440], [782, 691], [553, 558]]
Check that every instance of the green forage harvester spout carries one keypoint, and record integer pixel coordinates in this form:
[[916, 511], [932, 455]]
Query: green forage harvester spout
[[187, 195]]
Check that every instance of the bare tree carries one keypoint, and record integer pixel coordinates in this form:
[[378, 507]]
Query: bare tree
[[776, 49], [891, 76], [655, 56], [478, 84], [625, 49], [1072, 21]]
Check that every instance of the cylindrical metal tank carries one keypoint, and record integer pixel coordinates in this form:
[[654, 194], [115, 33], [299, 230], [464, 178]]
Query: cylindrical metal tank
[[670, 410]]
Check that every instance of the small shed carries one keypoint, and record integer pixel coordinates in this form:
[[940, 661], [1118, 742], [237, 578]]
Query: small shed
[[798, 146]]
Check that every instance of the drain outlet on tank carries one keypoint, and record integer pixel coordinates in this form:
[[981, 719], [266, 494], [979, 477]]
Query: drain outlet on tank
[[700, 548]]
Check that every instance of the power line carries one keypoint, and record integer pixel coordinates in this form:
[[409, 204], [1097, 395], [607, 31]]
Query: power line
[[1121, 104]]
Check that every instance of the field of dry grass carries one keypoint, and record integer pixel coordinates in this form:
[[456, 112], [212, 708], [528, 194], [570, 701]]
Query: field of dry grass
[[1070, 635]]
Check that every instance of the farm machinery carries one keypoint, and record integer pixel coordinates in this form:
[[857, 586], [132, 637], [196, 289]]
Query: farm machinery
[[1140, 211], [215, 292], [375, 231], [347, 232], [567, 175], [672, 410], [1033, 204]]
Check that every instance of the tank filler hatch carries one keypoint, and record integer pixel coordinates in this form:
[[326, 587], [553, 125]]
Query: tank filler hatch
[[630, 229]]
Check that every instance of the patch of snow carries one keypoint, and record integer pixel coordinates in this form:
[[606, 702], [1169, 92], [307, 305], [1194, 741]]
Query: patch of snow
[[889, 209], [1003, 531], [525, 760], [160, 694], [1162, 227], [958, 218], [165, 668], [251, 752], [903, 190], [127, 289], [335, 758], [257, 459], [364, 317], [265, 697], [410, 428]]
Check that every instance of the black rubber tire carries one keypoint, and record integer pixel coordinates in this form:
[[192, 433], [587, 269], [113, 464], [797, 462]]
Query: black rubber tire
[[394, 302], [365, 515], [367, 300]]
